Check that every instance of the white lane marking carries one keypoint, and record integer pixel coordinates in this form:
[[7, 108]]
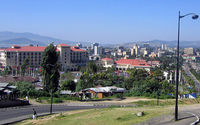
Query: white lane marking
[[195, 122]]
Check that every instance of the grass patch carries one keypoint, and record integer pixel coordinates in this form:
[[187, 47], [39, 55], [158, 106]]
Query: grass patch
[[61, 116], [166, 102], [108, 116], [47, 100]]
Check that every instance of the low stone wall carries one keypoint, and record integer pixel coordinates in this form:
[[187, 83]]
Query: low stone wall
[[12, 103]]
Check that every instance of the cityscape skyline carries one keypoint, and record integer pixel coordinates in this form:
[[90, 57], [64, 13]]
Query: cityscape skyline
[[101, 21]]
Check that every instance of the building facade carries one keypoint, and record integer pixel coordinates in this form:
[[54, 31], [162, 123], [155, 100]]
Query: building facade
[[70, 58], [189, 51], [124, 64]]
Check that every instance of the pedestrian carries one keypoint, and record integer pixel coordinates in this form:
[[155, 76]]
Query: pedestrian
[[34, 114], [26, 98]]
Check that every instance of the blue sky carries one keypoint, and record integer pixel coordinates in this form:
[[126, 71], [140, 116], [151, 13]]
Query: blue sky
[[101, 21]]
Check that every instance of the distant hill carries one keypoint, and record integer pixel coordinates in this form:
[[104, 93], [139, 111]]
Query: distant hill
[[10, 38], [19, 41], [195, 44]]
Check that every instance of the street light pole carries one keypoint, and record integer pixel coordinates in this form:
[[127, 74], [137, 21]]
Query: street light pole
[[177, 70], [177, 67]]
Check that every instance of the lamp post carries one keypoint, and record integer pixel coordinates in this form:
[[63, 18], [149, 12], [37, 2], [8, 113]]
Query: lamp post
[[177, 67]]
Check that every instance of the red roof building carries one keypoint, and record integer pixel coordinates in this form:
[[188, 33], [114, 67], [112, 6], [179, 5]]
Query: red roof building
[[107, 62], [63, 44], [70, 57], [124, 64], [77, 49], [26, 48]]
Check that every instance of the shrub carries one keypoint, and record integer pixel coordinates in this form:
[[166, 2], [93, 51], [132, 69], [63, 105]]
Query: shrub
[[57, 100], [38, 100]]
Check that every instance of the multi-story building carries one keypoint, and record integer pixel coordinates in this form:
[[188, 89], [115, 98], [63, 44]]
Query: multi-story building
[[163, 47], [143, 51], [189, 51], [95, 48], [107, 62], [79, 45], [16, 55], [134, 50], [124, 64], [71, 57]]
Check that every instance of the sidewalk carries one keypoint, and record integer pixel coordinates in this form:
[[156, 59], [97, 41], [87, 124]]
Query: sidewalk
[[185, 118], [21, 118]]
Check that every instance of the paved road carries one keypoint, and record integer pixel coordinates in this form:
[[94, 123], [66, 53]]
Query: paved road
[[187, 71], [185, 118], [186, 115], [8, 115]]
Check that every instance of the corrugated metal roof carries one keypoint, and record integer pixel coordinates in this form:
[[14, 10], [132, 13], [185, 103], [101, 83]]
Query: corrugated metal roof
[[106, 89], [1, 89], [12, 87], [2, 85]]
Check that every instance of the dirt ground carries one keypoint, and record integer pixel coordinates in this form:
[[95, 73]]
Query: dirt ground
[[126, 100]]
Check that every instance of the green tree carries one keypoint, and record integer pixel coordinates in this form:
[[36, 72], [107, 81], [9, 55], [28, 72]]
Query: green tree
[[68, 85], [79, 85], [167, 87], [51, 68], [91, 68], [26, 89], [66, 76]]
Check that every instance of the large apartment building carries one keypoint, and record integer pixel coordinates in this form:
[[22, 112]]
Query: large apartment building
[[71, 57]]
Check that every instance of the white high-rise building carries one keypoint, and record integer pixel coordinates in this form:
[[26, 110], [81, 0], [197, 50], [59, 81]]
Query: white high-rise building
[[135, 48], [95, 47], [163, 47]]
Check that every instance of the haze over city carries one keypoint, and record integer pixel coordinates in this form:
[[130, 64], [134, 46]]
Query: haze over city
[[102, 21]]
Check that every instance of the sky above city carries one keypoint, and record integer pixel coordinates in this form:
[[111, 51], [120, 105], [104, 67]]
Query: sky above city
[[102, 21]]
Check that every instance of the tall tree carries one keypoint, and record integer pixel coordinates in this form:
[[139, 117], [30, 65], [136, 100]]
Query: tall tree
[[51, 68], [91, 67], [68, 85]]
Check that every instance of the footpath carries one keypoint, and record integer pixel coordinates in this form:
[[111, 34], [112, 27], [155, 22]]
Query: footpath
[[187, 115]]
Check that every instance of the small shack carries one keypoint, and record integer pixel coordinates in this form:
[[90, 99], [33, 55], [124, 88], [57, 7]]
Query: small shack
[[101, 92], [7, 92]]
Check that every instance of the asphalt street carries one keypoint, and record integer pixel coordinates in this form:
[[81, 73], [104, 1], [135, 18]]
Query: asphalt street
[[187, 71], [185, 118], [187, 115], [12, 114]]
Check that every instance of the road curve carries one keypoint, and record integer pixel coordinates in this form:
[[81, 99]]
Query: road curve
[[13, 114], [188, 73]]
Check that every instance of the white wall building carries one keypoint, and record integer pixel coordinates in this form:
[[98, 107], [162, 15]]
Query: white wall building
[[71, 58]]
